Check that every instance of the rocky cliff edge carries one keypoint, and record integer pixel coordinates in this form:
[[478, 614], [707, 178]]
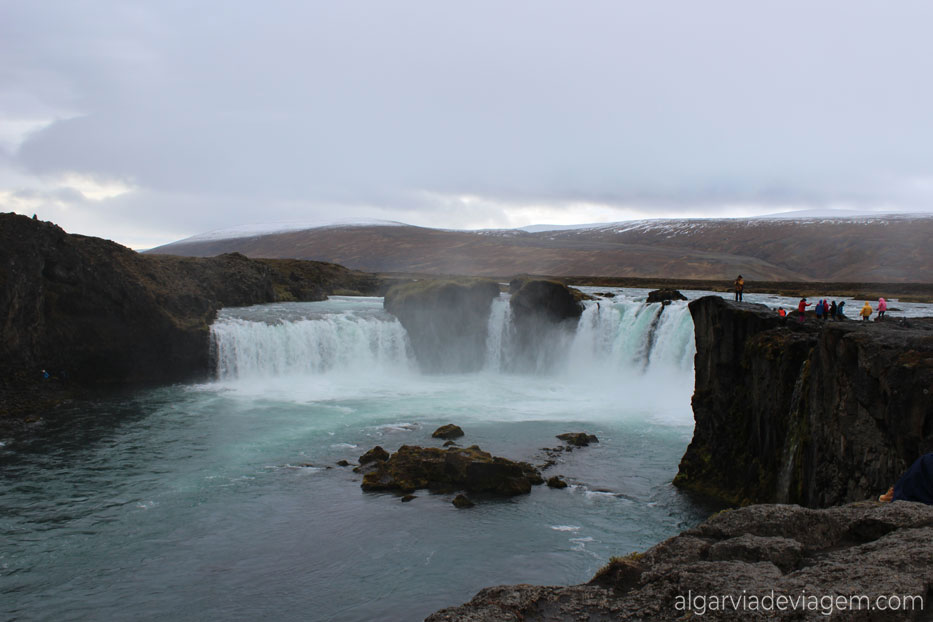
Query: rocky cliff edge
[[815, 413], [863, 561], [91, 313]]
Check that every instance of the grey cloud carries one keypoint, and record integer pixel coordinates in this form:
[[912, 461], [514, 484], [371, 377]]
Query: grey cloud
[[282, 104]]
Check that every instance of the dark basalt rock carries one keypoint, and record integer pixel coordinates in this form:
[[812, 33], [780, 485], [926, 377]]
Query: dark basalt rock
[[461, 501], [542, 312], [755, 551], [543, 299], [556, 482], [343, 463], [578, 439], [449, 431], [445, 320], [471, 469], [665, 295], [97, 314], [811, 413], [408, 498], [376, 454]]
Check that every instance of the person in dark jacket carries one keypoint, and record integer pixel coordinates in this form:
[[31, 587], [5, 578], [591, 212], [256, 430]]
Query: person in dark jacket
[[916, 484]]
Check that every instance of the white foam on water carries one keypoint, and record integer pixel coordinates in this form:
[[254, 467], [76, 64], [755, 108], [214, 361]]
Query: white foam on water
[[624, 359]]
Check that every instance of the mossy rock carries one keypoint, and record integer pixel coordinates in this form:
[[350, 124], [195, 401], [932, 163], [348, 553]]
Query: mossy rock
[[456, 468], [377, 453], [578, 439], [448, 432], [461, 502]]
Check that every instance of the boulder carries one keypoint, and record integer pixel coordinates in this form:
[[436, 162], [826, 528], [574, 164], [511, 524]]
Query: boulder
[[448, 432], [456, 468], [376, 454], [462, 501], [446, 321], [544, 299], [556, 482], [578, 439], [665, 295]]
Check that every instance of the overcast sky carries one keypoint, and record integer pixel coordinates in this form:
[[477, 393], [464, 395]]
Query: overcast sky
[[146, 122]]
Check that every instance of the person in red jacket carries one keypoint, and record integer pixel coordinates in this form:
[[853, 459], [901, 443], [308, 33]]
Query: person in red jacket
[[802, 308]]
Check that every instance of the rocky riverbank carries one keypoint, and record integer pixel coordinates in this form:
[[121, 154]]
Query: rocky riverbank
[[863, 561], [80, 313]]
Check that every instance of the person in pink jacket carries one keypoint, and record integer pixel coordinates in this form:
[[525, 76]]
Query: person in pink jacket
[[882, 307]]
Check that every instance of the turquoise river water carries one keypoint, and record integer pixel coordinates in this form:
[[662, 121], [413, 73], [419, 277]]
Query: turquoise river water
[[197, 502]]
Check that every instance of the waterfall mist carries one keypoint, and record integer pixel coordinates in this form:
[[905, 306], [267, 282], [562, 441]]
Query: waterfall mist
[[619, 350]]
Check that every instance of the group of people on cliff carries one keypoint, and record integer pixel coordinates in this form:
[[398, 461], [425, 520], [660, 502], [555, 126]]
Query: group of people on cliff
[[836, 310], [824, 309]]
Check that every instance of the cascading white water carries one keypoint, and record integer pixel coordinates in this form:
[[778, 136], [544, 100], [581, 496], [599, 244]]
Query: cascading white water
[[497, 334], [318, 340], [357, 335]]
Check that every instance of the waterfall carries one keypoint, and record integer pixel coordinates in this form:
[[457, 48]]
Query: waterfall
[[357, 336], [634, 335], [498, 334], [279, 342]]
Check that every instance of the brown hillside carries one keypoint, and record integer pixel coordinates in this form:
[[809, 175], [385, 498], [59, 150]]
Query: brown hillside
[[889, 249]]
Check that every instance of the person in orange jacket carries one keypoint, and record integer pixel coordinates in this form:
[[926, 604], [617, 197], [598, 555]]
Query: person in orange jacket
[[865, 312]]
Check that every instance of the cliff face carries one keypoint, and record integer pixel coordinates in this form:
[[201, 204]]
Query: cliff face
[[811, 413], [445, 320], [544, 315], [96, 313]]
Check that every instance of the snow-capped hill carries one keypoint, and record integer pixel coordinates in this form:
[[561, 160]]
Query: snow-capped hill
[[260, 229], [805, 247]]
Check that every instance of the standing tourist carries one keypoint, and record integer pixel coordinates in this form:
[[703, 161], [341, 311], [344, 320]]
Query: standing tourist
[[739, 288], [865, 312], [802, 308]]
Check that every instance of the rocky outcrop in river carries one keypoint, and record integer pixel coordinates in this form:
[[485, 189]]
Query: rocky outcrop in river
[[91, 312], [544, 313], [445, 470], [816, 413], [864, 561], [445, 320]]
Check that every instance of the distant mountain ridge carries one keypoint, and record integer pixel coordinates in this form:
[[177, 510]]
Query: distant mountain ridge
[[883, 248]]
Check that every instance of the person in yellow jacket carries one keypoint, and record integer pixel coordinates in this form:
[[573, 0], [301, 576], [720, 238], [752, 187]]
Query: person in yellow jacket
[[865, 312]]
